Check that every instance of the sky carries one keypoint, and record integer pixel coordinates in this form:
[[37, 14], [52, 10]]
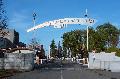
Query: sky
[[19, 13]]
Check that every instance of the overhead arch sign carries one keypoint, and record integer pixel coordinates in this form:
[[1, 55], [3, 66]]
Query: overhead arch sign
[[62, 23]]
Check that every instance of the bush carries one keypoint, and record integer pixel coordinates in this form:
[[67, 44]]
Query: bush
[[114, 49]]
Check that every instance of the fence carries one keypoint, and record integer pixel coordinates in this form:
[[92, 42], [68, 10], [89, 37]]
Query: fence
[[19, 61]]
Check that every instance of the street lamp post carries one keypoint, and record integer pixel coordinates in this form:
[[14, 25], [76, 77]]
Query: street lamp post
[[86, 15], [34, 18], [87, 39]]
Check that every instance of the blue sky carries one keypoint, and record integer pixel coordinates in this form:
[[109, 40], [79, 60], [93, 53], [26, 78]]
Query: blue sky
[[19, 14]]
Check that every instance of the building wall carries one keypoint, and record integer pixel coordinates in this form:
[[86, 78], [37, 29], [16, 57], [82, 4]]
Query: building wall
[[16, 38], [5, 43], [9, 35], [11, 38]]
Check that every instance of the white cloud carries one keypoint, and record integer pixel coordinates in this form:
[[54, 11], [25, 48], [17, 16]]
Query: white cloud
[[17, 17]]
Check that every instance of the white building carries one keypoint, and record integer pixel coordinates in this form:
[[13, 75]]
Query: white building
[[104, 61]]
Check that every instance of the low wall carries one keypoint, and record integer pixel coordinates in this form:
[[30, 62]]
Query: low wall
[[104, 61], [19, 61]]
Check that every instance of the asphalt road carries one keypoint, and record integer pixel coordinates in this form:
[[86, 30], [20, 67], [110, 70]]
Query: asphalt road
[[65, 71]]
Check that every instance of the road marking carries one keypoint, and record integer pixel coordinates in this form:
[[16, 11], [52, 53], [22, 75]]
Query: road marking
[[61, 73]]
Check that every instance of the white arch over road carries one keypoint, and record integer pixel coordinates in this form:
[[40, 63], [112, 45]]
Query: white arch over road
[[61, 23]]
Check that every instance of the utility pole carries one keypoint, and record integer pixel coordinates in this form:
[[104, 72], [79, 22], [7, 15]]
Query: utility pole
[[49, 53]]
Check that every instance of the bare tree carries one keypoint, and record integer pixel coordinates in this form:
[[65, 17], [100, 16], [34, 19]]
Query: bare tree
[[3, 17], [33, 43]]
